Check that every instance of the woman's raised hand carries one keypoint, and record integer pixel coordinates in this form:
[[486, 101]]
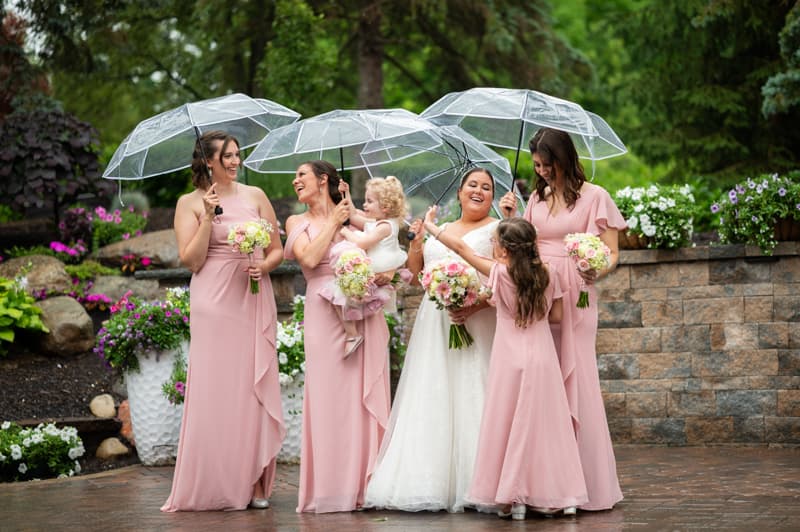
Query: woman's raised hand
[[342, 211], [430, 216], [210, 200], [508, 204]]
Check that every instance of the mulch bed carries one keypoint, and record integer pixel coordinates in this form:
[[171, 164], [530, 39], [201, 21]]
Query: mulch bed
[[37, 387]]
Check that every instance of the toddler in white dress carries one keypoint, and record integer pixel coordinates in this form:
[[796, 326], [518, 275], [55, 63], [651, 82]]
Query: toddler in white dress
[[383, 211]]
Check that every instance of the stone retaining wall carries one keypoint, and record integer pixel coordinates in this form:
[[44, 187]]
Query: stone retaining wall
[[702, 345]]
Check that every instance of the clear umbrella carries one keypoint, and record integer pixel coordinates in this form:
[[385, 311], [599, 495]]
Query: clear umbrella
[[337, 137], [507, 118], [164, 143], [431, 162]]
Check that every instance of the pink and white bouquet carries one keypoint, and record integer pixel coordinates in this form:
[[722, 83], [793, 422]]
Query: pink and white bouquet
[[246, 237], [353, 274], [588, 252], [452, 283]]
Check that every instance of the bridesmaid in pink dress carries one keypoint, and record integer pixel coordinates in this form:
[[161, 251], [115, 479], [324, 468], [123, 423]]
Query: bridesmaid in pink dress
[[346, 401], [527, 453], [232, 425], [564, 202]]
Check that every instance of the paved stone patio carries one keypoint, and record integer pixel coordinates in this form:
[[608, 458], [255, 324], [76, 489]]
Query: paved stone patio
[[666, 488]]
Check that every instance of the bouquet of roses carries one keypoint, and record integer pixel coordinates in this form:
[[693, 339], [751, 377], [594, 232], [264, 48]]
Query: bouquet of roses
[[246, 237], [588, 252], [451, 284], [353, 274]]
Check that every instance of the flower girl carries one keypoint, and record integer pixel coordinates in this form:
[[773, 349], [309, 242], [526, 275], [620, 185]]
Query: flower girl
[[383, 211], [527, 453]]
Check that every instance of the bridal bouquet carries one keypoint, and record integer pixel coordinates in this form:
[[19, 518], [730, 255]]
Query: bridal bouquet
[[451, 284], [588, 252], [246, 237], [353, 274]]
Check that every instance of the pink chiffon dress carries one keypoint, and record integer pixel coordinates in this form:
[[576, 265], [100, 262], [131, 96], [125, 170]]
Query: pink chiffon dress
[[232, 426], [527, 453], [575, 336], [346, 401]]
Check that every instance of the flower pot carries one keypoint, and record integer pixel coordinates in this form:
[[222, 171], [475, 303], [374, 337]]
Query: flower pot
[[628, 240], [156, 423], [787, 229], [292, 399]]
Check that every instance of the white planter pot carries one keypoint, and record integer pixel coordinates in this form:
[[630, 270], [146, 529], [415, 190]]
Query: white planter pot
[[156, 423], [292, 400]]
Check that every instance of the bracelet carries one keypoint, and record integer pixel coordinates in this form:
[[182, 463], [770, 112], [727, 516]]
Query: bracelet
[[440, 232]]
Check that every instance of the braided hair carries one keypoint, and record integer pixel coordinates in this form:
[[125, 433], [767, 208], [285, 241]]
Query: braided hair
[[518, 237]]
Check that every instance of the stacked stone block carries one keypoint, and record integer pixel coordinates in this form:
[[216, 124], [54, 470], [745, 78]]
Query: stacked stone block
[[702, 346]]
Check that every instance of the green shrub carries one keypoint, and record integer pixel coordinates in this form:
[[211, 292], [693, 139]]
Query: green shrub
[[749, 211], [42, 452], [17, 311], [663, 214]]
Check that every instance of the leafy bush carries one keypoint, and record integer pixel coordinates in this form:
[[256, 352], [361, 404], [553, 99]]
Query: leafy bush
[[750, 210], [138, 328], [290, 344], [76, 225], [663, 214], [17, 311], [49, 161], [110, 227], [42, 452]]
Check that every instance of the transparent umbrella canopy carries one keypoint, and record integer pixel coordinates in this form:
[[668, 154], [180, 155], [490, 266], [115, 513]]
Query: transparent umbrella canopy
[[337, 137], [164, 143], [508, 118], [430, 164]]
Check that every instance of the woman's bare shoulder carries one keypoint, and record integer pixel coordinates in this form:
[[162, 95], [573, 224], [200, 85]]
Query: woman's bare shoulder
[[193, 199]]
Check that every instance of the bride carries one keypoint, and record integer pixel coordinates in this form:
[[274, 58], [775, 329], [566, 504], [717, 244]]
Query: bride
[[427, 455]]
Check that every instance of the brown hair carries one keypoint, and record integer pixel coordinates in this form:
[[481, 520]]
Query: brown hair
[[324, 167], [203, 154], [518, 237], [556, 147]]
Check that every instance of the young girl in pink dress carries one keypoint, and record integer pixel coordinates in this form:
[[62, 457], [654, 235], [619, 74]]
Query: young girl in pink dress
[[527, 453], [384, 208]]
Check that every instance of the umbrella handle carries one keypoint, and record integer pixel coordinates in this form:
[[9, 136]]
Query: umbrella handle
[[217, 210], [411, 235]]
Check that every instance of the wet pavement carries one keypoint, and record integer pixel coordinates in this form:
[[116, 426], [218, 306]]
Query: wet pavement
[[665, 488]]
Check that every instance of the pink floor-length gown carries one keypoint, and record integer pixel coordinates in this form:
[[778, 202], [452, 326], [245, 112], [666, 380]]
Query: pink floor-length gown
[[576, 335], [346, 400], [527, 451], [232, 426]]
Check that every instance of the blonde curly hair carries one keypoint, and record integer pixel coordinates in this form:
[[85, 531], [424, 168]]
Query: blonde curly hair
[[389, 192]]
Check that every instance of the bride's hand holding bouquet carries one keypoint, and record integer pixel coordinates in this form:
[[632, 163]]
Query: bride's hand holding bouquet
[[452, 284]]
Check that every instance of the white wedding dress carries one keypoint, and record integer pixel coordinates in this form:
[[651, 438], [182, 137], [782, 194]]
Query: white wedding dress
[[428, 453]]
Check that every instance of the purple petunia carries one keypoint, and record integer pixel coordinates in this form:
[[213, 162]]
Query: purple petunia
[[715, 208], [732, 196], [781, 192]]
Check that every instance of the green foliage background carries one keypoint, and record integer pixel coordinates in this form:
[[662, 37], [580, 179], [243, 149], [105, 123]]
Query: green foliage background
[[700, 91]]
